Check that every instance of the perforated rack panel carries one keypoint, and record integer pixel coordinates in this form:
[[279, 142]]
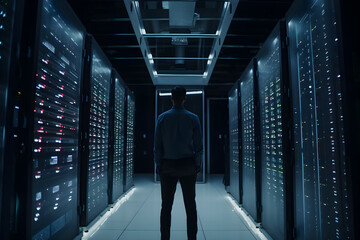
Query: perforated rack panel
[[129, 167], [271, 82], [234, 142], [321, 187], [56, 122], [119, 139], [97, 185], [247, 133]]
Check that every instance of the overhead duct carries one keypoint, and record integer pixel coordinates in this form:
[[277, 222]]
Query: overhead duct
[[181, 14], [179, 43]]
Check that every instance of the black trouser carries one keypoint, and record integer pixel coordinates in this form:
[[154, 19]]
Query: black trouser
[[168, 188]]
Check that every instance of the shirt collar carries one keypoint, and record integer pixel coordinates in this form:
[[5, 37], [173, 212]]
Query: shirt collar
[[178, 107]]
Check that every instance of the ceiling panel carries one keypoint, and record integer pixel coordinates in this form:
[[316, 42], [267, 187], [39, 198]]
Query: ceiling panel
[[108, 21]]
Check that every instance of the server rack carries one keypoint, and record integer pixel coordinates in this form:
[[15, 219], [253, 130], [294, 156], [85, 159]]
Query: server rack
[[130, 141], [46, 124], [276, 165], [235, 140], [116, 137], [250, 151], [94, 133], [322, 184]]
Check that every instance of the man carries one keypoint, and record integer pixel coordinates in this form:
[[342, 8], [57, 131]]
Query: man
[[178, 150]]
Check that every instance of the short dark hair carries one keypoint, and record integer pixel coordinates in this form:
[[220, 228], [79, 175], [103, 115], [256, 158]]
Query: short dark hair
[[178, 94]]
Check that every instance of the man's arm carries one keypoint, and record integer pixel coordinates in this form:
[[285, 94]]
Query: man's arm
[[158, 151], [198, 144]]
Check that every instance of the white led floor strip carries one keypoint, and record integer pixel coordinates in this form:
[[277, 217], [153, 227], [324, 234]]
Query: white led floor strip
[[250, 223], [94, 228]]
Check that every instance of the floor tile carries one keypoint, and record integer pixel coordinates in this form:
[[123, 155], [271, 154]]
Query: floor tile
[[107, 234], [140, 235], [229, 235], [139, 217], [115, 225], [182, 235]]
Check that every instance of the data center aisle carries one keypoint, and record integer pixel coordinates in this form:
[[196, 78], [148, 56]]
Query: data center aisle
[[139, 216]]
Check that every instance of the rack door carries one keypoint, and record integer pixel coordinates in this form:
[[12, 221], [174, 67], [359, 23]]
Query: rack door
[[116, 161], [321, 185], [250, 160], [94, 192], [274, 127], [129, 158], [234, 143], [54, 178]]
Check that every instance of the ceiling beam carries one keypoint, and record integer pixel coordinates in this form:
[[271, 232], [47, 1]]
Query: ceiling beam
[[166, 46], [227, 35], [242, 19], [169, 58]]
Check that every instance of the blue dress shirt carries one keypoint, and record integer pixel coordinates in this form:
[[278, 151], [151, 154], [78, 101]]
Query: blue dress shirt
[[178, 135]]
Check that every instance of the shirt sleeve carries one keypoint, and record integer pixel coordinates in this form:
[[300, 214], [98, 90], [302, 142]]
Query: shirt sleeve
[[158, 146], [198, 143]]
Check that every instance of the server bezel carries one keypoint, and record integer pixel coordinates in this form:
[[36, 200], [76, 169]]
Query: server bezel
[[119, 83], [280, 32], [23, 120], [130, 99], [90, 46]]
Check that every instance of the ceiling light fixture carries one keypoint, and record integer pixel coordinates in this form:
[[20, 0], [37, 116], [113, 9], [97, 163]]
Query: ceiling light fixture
[[167, 94]]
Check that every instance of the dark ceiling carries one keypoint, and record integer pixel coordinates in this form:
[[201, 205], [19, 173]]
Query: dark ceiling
[[109, 23]]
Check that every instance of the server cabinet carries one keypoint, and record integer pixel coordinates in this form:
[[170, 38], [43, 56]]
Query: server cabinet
[[116, 137], [7, 9], [46, 123], [130, 141], [322, 194], [95, 132], [195, 103], [250, 152], [276, 181], [235, 140]]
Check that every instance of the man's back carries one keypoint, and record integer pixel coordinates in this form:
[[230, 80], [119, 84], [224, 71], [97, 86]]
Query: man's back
[[178, 129]]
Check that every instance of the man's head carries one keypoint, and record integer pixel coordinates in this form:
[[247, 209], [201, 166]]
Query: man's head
[[178, 96]]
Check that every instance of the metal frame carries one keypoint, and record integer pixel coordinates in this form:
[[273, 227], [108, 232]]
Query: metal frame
[[348, 40], [257, 133], [287, 136], [132, 8], [240, 141], [158, 89], [111, 137]]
